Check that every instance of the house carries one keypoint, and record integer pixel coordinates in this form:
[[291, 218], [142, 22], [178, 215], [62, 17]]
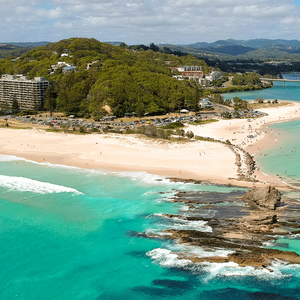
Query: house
[[204, 81], [66, 67], [205, 103], [178, 77], [216, 75]]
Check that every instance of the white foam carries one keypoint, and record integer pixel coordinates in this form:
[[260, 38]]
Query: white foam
[[11, 158], [151, 179], [200, 251], [8, 158], [167, 259], [191, 225], [145, 178], [230, 269], [77, 169], [159, 215], [185, 208], [157, 232], [182, 224], [28, 185]]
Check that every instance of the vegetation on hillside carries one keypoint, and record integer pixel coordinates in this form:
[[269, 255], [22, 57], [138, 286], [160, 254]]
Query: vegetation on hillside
[[123, 79]]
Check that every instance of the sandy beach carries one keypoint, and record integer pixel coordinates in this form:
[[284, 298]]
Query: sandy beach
[[199, 160]]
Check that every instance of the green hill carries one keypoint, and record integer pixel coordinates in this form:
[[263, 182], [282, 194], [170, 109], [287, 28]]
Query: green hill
[[125, 80]]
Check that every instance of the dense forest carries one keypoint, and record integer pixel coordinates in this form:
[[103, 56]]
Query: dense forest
[[120, 80]]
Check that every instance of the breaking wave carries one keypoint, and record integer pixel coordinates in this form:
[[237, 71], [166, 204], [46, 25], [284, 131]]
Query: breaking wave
[[28, 185], [9, 158], [169, 259]]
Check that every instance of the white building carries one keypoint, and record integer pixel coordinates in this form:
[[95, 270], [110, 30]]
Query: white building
[[63, 65], [216, 75], [205, 103], [178, 77], [189, 68], [28, 93]]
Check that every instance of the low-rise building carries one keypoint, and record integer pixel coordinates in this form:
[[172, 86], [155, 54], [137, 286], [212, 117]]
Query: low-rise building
[[216, 75], [178, 77], [205, 103], [191, 72], [63, 65]]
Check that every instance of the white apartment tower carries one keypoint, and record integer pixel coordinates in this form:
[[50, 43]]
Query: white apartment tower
[[29, 93]]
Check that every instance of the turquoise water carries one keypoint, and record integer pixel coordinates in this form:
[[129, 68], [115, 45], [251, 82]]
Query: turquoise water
[[284, 157], [69, 233], [278, 91]]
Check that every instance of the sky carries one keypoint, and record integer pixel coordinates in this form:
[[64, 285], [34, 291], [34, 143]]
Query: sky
[[148, 21]]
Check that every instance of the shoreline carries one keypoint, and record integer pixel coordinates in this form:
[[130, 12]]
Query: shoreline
[[238, 130], [210, 162]]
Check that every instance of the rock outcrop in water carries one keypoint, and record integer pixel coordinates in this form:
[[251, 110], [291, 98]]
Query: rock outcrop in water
[[240, 224], [268, 197]]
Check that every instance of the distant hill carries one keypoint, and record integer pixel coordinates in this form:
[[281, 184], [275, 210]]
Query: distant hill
[[26, 44], [18, 49], [264, 49]]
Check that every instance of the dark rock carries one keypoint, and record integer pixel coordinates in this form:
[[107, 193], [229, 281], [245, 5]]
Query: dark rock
[[268, 197]]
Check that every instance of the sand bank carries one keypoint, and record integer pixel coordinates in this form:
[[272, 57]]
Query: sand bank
[[251, 135], [213, 162], [197, 160]]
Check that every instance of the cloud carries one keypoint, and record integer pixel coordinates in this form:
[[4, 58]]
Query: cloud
[[145, 21]]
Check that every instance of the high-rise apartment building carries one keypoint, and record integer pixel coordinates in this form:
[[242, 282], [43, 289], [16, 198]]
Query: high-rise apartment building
[[30, 94]]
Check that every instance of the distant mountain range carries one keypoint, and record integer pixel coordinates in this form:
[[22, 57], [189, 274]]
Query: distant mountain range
[[230, 49], [255, 48]]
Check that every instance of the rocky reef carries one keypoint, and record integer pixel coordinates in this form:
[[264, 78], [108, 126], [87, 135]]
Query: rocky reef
[[241, 224]]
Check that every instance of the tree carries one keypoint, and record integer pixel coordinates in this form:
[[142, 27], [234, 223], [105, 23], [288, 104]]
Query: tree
[[65, 127], [259, 100], [226, 115], [15, 105], [35, 107], [189, 134], [140, 110], [153, 47], [228, 102], [217, 98], [123, 45], [180, 132], [50, 102], [6, 122]]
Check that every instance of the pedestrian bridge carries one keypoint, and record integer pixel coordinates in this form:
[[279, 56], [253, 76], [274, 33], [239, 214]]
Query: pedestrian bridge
[[282, 80]]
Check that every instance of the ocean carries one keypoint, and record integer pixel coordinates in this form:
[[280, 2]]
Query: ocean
[[71, 233]]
